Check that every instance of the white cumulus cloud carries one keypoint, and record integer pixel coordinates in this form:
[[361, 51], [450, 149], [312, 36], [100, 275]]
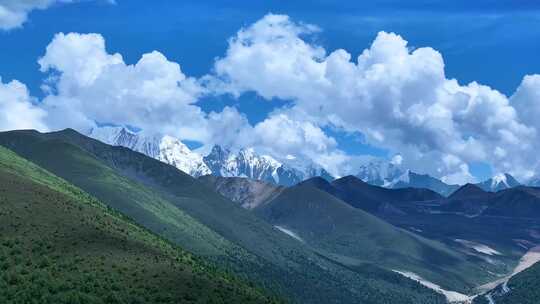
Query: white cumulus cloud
[[398, 97], [89, 85], [17, 110]]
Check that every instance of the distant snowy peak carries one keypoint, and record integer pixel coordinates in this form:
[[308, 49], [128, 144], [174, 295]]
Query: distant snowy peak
[[499, 182], [390, 174], [403, 179], [380, 173], [220, 161], [172, 151], [247, 163], [243, 163], [167, 149]]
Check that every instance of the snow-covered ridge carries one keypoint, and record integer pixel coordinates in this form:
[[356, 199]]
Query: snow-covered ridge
[[220, 161], [380, 172], [499, 179], [164, 148], [499, 182]]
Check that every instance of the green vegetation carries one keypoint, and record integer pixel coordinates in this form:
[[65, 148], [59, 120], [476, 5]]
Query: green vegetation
[[193, 216], [524, 288], [352, 237], [58, 244]]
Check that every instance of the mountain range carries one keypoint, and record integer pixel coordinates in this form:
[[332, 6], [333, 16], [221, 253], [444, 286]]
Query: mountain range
[[221, 161], [246, 162], [317, 241], [493, 227], [59, 244], [392, 175], [190, 214]]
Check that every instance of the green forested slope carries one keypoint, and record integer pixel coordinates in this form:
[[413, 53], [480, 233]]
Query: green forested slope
[[60, 245], [192, 215]]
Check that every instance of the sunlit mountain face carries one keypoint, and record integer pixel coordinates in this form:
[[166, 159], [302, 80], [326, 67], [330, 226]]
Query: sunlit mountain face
[[277, 152]]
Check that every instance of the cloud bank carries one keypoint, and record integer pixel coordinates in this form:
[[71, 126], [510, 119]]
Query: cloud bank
[[399, 98]]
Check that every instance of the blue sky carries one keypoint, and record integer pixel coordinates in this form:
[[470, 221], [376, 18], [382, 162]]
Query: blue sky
[[492, 42]]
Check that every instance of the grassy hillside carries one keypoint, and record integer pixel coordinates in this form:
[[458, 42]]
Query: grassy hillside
[[426, 213], [60, 245], [190, 214], [375, 199], [353, 237]]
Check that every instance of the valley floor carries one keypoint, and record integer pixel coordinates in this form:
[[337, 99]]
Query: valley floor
[[529, 259]]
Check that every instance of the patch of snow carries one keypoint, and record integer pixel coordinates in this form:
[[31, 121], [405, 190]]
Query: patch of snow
[[451, 296], [289, 233], [498, 179], [481, 248]]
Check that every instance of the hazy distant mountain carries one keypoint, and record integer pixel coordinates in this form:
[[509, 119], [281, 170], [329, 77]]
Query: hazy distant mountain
[[380, 172], [499, 182], [534, 181], [426, 181], [392, 175]]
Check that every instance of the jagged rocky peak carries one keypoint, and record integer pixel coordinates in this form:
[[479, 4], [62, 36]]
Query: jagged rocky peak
[[381, 172], [392, 174], [221, 161], [164, 148], [245, 163]]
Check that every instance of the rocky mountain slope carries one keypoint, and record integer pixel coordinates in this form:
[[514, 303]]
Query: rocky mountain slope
[[244, 191]]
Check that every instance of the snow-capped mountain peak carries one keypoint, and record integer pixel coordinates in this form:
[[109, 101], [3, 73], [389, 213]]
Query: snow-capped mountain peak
[[164, 148], [499, 182], [172, 151], [245, 163], [499, 179], [391, 174], [220, 161], [380, 172], [403, 178]]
